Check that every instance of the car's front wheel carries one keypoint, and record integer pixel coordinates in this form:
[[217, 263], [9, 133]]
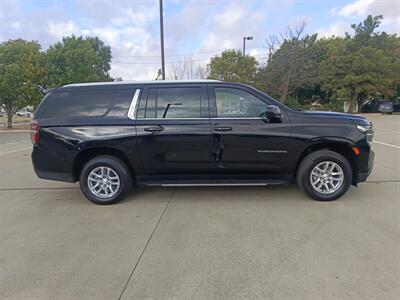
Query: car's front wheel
[[324, 175], [105, 180]]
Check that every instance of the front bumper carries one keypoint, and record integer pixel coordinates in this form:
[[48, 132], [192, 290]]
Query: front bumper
[[364, 175]]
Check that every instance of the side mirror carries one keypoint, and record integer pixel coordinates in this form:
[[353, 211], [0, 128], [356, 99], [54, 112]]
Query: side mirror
[[272, 114]]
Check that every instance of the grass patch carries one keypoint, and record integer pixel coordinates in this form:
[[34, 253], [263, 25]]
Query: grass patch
[[16, 119]]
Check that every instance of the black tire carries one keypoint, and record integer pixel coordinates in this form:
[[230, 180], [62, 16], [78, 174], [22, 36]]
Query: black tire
[[119, 167], [313, 159]]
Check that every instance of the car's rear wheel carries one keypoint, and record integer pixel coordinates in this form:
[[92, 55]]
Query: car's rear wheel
[[324, 175], [105, 180]]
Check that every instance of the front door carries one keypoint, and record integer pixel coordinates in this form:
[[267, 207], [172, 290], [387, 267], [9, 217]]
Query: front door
[[242, 141], [173, 129]]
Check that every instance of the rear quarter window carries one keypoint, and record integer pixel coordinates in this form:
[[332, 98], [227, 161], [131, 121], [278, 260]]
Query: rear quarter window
[[88, 103], [121, 104]]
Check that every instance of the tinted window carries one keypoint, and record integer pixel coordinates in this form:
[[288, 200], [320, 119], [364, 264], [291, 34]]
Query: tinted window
[[234, 103], [173, 103], [121, 104], [77, 104], [151, 104]]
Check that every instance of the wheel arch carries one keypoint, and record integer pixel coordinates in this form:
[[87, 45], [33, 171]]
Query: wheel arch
[[341, 147], [85, 155]]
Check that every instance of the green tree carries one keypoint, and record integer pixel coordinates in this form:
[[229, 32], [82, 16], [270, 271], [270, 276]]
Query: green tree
[[78, 59], [292, 63], [232, 66], [360, 66], [22, 70]]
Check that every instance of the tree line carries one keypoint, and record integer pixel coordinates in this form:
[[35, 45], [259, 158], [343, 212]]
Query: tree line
[[26, 71], [302, 69], [298, 68]]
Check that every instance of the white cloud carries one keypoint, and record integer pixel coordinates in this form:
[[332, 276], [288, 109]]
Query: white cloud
[[358, 8], [389, 9], [337, 29], [131, 28], [228, 26], [59, 30], [15, 25], [361, 8]]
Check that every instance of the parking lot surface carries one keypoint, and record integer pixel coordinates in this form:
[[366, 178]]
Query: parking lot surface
[[200, 243]]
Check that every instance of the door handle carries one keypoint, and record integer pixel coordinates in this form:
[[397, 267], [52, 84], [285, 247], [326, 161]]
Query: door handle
[[154, 129], [223, 128]]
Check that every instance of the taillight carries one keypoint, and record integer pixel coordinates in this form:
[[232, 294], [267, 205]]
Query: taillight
[[35, 132]]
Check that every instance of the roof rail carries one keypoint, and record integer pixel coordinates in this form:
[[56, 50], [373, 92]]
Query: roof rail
[[142, 82]]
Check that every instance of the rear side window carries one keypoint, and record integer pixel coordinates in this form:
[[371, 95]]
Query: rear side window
[[121, 104], [173, 103], [77, 104]]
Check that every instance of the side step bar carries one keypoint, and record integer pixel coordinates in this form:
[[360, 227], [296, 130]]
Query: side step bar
[[214, 183]]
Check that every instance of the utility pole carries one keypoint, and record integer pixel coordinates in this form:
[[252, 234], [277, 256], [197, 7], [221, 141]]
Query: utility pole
[[249, 38], [162, 40]]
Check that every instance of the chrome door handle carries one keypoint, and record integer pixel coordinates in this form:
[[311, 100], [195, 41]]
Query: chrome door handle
[[223, 128]]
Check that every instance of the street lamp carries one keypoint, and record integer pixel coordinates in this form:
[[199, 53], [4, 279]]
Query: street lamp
[[249, 38]]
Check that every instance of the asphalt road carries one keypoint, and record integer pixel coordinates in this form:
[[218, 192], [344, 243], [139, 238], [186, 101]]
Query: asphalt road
[[200, 243]]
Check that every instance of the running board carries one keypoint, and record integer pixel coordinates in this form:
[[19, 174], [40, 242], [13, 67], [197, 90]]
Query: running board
[[214, 184], [205, 183]]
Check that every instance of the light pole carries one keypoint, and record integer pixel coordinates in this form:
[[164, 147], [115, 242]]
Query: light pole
[[249, 38], [162, 41]]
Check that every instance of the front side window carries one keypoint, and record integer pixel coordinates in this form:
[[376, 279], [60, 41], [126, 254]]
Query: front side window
[[235, 103], [173, 103]]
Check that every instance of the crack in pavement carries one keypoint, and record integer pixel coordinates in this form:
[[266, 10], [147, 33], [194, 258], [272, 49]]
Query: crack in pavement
[[147, 243]]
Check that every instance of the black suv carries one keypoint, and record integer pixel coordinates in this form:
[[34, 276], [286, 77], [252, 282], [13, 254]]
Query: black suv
[[111, 136]]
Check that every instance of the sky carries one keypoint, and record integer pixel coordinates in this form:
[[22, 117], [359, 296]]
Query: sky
[[198, 29]]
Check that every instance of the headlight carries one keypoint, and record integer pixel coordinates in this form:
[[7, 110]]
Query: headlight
[[367, 130], [364, 128]]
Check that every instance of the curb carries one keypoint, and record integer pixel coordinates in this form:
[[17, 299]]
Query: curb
[[16, 130]]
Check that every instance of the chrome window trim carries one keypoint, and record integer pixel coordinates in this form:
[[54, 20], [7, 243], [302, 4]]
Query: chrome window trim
[[174, 119], [133, 106], [199, 118], [248, 118]]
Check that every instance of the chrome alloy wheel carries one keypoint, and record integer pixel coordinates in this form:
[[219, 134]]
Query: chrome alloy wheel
[[103, 182], [327, 177]]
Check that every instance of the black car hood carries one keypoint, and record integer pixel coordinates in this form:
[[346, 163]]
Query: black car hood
[[357, 119]]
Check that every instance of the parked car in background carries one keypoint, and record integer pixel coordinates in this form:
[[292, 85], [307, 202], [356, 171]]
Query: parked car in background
[[26, 114], [29, 114], [396, 105], [386, 106], [110, 136], [377, 106]]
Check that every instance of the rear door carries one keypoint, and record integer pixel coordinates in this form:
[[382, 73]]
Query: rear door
[[243, 143], [173, 129]]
